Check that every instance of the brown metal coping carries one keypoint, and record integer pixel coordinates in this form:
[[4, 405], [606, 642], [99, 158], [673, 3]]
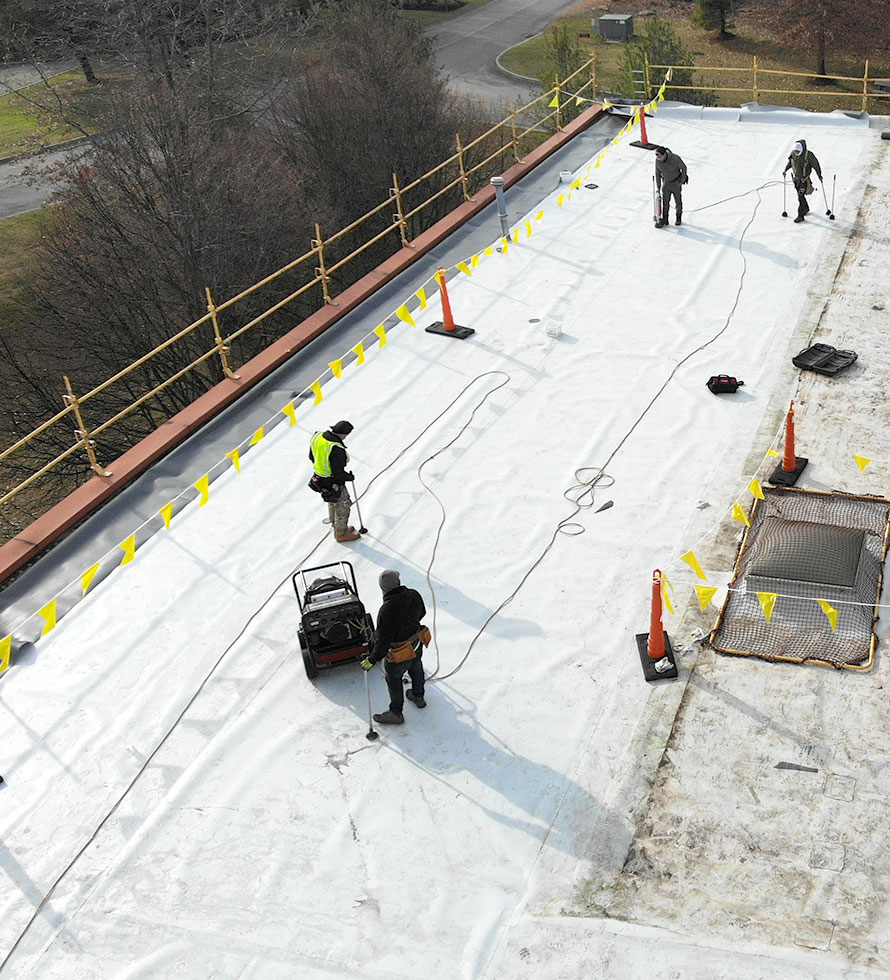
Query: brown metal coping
[[39, 535]]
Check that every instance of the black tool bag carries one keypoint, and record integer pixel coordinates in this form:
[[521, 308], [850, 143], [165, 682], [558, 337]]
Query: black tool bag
[[330, 492], [720, 383]]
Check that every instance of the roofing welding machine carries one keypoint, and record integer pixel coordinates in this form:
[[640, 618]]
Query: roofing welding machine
[[334, 627]]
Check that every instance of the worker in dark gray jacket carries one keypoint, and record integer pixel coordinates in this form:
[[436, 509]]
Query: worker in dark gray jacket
[[802, 162], [670, 176]]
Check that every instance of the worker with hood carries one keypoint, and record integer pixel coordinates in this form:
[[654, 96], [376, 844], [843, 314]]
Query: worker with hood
[[802, 162], [670, 176], [327, 452]]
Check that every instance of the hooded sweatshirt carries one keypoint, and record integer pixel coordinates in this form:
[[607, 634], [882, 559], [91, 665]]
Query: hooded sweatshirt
[[671, 169], [802, 164]]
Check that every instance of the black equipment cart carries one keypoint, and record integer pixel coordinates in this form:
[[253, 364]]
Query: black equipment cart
[[334, 627]]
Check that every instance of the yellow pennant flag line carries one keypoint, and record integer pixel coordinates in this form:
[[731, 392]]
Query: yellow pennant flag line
[[554, 102], [167, 513], [463, 267], [48, 615], [862, 462], [291, 413], [404, 315], [692, 562], [203, 488], [739, 514], [756, 489], [336, 367], [705, 593], [830, 612], [235, 457], [421, 294], [381, 332], [5, 652], [359, 351], [316, 387], [128, 547], [258, 436], [767, 602], [87, 578]]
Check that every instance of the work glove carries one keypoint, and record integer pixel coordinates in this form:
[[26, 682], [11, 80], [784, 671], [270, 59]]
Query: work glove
[[686, 179], [348, 478], [366, 664]]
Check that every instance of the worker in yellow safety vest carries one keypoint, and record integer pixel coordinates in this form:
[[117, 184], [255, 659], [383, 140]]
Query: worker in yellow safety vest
[[329, 458]]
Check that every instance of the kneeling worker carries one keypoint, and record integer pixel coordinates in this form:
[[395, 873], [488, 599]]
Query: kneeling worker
[[329, 458], [400, 638]]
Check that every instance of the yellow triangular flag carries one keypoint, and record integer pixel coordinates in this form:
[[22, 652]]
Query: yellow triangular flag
[[579, 100], [515, 235], [830, 612], [539, 215], [692, 562], [48, 615], [528, 229], [767, 601], [755, 488], [359, 351], [404, 315], [291, 413], [771, 452], [258, 436], [88, 577], [576, 185], [167, 513], [316, 387], [128, 547], [381, 333], [705, 593], [336, 367], [554, 102], [665, 585], [506, 246], [560, 199], [739, 514], [5, 652], [203, 487], [488, 251], [474, 261], [862, 461], [235, 457], [464, 268], [421, 294]]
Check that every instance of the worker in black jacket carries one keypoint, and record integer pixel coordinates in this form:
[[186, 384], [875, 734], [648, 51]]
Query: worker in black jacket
[[400, 638], [329, 458], [670, 176], [802, 162]]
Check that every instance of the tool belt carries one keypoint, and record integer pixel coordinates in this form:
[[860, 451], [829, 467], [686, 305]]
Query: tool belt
[[330, 491], [405, 649]]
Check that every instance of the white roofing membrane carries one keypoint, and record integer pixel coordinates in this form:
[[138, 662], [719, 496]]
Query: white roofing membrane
[[194, 807]]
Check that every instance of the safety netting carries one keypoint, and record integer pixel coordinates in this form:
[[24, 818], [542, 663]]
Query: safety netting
[[807, 582]]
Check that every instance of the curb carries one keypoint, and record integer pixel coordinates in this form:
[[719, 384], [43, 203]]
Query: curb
[[55, 147]]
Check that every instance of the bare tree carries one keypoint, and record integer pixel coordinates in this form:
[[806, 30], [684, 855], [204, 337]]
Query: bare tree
[[823, 27]]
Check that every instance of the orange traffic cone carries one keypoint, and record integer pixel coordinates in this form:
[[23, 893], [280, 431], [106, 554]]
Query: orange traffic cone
[[654, 647], [446, 325], [792, 466], [643, 141]]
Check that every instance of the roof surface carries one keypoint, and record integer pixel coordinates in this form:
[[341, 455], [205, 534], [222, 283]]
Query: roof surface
[[181, 801]]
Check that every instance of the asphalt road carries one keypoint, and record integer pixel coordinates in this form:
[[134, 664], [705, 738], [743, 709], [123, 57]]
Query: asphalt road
[[467, 45]]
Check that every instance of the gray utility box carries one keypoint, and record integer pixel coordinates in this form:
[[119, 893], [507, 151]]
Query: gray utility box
[[616, 27]]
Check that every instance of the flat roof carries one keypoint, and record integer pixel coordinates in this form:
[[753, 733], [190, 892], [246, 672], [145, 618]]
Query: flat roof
[[180, 800]]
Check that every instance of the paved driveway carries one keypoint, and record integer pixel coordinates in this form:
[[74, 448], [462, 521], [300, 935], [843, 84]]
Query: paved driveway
[[468, 43]]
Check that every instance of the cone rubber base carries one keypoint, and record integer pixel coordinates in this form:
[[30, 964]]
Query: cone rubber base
[[782, 478], [459, 333], [648, 664], [645, 146]]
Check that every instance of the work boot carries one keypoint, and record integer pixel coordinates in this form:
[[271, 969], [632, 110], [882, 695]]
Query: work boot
[[679, 220], [347, 535], [390, 718], [660, 223], [798, 219], [416, 698]]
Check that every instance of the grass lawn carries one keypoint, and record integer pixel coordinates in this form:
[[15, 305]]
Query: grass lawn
[[18, 236], [709, 50]]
